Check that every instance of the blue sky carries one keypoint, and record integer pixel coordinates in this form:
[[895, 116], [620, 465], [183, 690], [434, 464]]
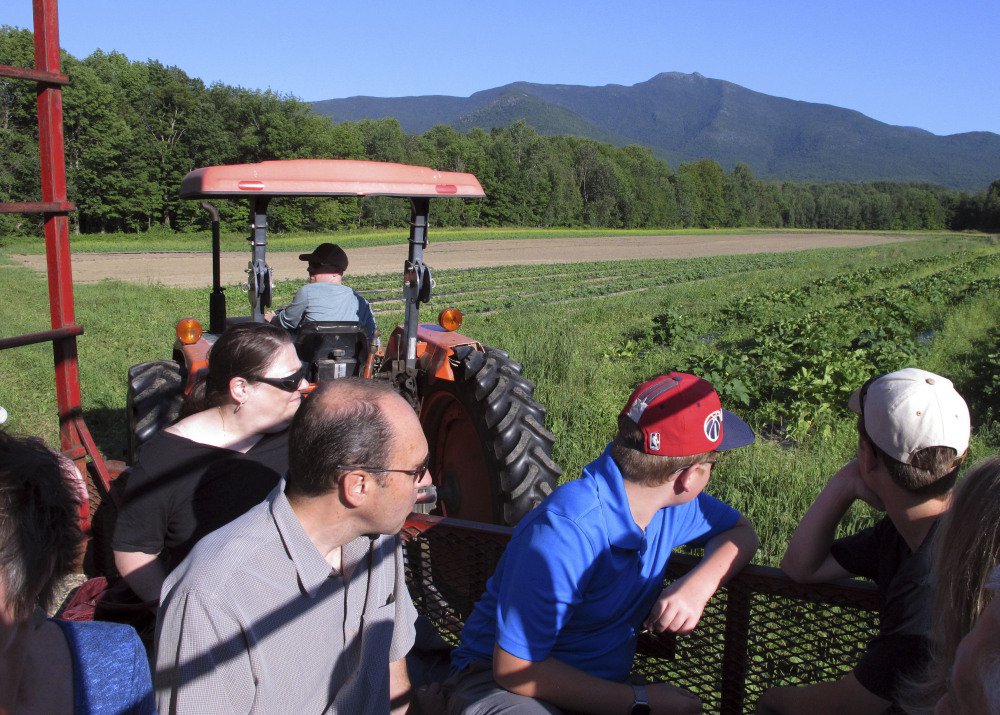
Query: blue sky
[[915, 62]]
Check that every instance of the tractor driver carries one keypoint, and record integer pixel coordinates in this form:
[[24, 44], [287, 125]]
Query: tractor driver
[[325, 297]]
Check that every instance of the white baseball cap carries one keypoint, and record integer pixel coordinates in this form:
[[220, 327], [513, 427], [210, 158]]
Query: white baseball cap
[[910, 410]]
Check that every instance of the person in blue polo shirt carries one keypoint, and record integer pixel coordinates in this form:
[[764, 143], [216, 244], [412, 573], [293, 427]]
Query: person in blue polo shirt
[[583, 573]]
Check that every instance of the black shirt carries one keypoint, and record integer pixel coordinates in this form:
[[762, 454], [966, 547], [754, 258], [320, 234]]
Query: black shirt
[[901, 648], [180, 490]]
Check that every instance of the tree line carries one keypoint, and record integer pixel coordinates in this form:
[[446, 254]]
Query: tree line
[[134, 129]]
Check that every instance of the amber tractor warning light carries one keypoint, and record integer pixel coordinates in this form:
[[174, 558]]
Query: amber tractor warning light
[[189, 331], [450, 319]]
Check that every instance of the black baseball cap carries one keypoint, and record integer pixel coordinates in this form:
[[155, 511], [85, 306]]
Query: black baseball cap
[[327, 255]]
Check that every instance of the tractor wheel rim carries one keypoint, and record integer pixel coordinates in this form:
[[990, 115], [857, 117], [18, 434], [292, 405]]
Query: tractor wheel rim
[[458, 463]]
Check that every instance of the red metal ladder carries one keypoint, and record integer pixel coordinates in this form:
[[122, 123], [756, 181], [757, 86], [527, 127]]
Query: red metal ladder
[[76, 440]]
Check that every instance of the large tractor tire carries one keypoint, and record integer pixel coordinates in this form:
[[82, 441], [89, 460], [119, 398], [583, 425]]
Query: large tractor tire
[[155, 394], [491, 455]]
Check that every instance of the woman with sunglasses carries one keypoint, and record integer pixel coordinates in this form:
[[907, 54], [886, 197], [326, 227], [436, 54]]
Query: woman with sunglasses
[[215, 464]]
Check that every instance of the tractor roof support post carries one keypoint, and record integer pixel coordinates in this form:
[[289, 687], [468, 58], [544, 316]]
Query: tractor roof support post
[[416, 277], [259, 277]]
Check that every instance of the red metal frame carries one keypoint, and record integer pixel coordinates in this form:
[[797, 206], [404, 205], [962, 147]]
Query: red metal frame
[[75, 438]]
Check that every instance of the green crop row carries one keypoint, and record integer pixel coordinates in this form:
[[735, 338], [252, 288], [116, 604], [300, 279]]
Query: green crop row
[[756, 306], [795, 374], [497, 289]]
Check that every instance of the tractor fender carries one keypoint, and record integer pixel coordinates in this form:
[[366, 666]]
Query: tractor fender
[[435, 346], [193, 360]]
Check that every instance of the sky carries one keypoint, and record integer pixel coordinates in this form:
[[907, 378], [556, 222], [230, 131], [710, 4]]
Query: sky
[[928, 64]]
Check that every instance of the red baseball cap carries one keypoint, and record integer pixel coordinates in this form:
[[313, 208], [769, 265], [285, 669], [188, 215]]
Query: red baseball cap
[[680, 415]]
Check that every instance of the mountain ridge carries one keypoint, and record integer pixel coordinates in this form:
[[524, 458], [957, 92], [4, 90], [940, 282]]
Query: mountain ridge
[[685, 117]]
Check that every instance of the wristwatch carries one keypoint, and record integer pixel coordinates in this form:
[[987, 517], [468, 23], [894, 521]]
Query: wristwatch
[[640, 705]]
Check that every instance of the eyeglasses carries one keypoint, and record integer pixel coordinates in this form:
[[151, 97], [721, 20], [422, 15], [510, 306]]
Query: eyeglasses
[[322, 268], [288, 384], [709, 462], [417, 474]]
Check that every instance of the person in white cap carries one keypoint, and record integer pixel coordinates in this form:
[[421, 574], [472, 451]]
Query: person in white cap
[[913, 434]]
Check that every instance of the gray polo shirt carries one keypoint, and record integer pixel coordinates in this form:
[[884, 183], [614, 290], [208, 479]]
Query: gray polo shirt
[[253, 621]]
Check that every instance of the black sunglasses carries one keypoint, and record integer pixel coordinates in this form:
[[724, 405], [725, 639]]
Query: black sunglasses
[[288, 384], [417, 474]]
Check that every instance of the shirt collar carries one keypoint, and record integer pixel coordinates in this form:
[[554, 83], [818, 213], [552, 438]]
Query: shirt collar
[[312, 569], [619, 524]]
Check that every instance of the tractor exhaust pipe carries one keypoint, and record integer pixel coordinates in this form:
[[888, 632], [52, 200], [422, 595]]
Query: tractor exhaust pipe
[[216, 301]]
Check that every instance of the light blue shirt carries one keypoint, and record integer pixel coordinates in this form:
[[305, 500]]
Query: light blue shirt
[[326, 301]]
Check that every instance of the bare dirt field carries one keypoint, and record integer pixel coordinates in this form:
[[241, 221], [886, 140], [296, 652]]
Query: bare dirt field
[[194, 270]]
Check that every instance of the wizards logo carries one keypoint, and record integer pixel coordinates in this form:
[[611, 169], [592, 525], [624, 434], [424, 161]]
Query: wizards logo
[[713, 426]]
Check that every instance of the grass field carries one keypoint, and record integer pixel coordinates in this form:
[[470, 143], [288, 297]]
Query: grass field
[[785, 338]]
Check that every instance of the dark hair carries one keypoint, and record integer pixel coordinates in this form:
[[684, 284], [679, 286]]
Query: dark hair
[[649, 470], [243, 350], [932, 471], [341, 423], [39, 532]]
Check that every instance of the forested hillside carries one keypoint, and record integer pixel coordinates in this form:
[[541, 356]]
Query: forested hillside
[[687, 117], [133, 129]]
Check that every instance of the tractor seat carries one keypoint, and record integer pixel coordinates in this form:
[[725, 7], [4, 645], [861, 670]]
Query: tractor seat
[[332, 349]]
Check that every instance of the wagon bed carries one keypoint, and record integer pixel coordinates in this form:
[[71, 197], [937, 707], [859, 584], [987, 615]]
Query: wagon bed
[[760, 630]]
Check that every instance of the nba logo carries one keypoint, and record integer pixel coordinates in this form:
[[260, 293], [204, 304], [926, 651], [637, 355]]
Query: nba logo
[[713, 426], [654, 441]]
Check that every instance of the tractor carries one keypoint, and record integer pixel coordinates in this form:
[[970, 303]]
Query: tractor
[[490, 453]]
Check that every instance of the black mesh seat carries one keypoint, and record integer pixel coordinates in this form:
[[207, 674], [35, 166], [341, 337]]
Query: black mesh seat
[[332, 349]]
